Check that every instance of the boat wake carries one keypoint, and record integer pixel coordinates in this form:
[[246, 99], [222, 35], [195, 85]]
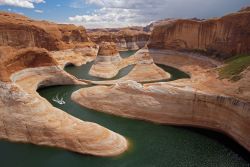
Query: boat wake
[[57, 100]]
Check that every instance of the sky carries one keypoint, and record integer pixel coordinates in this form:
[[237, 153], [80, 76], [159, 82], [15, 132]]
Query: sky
[[119, 13]]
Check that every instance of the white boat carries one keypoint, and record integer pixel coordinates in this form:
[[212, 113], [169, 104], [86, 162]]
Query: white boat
[[59, 101]]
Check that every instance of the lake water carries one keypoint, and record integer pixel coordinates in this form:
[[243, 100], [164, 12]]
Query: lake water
[[152, 145]]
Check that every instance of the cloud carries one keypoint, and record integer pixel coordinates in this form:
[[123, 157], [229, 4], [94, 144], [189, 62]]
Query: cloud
[[38, 11], [117, 13], [21, 3]]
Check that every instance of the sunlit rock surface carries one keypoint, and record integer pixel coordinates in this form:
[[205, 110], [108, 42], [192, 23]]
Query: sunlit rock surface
[[219, 37], [20, 32]]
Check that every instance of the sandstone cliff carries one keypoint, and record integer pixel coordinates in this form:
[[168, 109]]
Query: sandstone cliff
[[221, 37], [20, 32], [125, 39], [13, 60]]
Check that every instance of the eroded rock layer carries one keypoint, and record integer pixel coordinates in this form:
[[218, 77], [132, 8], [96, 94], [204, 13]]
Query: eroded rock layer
[[221, 37], [20, 32], [107, 61], [171, 104], [125, 39]]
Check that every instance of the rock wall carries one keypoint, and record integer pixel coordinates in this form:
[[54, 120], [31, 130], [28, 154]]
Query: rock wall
[[13, 60], [125, 39], [221, 37], [20, 32]]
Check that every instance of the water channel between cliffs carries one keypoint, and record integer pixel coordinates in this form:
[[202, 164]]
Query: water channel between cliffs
[[152, 145]]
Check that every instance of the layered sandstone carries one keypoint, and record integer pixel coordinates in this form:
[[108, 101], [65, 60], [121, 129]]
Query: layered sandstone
[[13, 60], [76, 56], [27, 117], [20, 32], [125, 39], [171, 104], [220, 37], [144, 69], [107, 61]]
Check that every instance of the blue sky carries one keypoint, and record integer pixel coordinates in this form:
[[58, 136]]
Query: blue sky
[[119, 13]]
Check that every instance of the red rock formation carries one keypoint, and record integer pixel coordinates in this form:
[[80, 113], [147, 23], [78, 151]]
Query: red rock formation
[[20, 32], [14, 60], [107, 49], [223, 37]]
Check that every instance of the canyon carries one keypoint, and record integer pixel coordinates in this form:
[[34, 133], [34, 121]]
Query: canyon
[[35, 54]]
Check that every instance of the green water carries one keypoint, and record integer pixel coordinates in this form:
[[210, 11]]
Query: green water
[[153, 145], [81, 72]]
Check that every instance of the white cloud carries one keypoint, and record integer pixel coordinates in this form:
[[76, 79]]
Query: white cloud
[[21, 3], [117, 13], [38, 11], [107, 17]]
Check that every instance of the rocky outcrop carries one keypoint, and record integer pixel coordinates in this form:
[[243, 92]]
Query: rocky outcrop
[[13, 60], [221, 37], [144, 70], [27, 117], [107, 61], [76, 56], [125, 39], [171, 104], [20, 32]]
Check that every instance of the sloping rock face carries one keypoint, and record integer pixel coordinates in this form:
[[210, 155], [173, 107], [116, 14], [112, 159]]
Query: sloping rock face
[[20, 32], [125, 39], [13, 60], [171, 104], [27, 117], [222, 37]]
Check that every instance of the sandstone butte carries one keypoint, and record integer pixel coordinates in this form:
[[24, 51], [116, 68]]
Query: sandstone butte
[[218, 37], [27, 117], [108, 63], [124, 38], [204, 100]]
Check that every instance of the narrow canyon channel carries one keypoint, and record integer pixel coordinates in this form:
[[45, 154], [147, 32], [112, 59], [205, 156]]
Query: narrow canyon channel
[[151, 145]]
